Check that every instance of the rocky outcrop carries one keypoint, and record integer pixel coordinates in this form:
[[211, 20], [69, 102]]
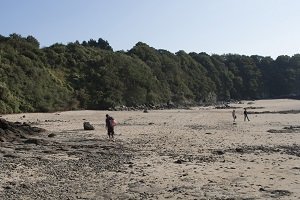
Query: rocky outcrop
[[11, 131]]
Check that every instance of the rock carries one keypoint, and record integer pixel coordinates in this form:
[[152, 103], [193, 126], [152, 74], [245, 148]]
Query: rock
[[219, 152], [52, 135], [35, 141], [7, 187], [3, 124], [2, 139], [10, 155], [280, 193], [88, 126], [174, 189], [179, 161], [11, 131], [296, 168], [240, 150]]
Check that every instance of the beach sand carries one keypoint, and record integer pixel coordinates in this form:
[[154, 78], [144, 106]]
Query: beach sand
[[196, 153]]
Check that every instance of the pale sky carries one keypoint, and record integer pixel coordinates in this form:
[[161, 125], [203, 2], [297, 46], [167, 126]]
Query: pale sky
[[246, 27]]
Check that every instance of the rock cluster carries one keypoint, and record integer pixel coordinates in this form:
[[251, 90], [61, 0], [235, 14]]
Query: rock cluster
[[11, 131]]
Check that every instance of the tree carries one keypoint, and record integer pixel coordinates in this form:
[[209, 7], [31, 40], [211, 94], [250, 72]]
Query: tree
[[33, 41]]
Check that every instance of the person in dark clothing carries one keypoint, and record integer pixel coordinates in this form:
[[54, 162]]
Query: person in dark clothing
[[233, 115], [246, 115], [109, 126]]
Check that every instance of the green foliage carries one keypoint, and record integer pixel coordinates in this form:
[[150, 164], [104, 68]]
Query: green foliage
[[102, 44], [26, 84], [91, 75], [8, 102]]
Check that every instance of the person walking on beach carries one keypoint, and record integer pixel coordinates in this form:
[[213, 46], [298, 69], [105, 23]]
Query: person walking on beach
[[233, 115], [246, 115], [110, 126]]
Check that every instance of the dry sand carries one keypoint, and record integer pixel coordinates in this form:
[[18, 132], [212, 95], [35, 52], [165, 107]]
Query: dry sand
[[196, 153]]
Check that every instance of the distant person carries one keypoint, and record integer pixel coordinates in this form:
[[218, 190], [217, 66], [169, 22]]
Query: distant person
[[233, 115], [110, 126], [246, 115]]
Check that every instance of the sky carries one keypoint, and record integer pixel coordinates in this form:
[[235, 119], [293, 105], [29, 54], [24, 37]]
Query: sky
[[245, 27]]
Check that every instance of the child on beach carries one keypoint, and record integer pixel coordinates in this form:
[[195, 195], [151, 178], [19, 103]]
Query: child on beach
[[246, 115], [233, 115]]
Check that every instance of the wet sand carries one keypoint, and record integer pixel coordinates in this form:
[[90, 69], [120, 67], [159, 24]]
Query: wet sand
[[196, 153]]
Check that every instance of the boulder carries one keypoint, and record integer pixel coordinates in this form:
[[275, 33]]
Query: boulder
[[88, 126]]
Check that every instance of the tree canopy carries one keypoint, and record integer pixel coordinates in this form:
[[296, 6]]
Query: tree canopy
[[90, 75]]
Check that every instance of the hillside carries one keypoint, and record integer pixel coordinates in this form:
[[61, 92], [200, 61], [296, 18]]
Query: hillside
[[90, 75]]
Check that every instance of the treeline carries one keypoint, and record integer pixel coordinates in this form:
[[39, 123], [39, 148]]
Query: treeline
[[90, 75]]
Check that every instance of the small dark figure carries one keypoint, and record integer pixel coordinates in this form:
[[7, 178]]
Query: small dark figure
[[109, 126], [233, 115], [246, 115]]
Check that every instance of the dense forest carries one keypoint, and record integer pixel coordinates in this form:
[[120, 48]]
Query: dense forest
[[90, 75]]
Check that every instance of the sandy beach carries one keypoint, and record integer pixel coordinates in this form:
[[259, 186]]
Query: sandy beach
[[196, 153]]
